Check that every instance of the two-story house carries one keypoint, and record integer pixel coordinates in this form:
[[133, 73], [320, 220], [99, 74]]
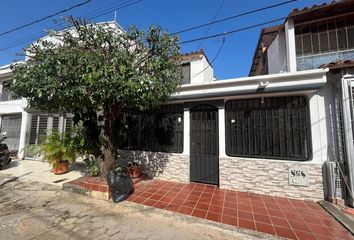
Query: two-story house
[[321, 36]]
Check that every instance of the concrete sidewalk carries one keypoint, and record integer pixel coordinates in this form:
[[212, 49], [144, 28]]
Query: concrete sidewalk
[[34, 210], [39, 171]]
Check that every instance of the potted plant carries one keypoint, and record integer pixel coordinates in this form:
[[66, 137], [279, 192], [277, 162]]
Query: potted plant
[[57, 149], [134, 169]]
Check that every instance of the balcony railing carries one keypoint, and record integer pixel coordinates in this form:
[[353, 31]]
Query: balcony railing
[[316, 60]]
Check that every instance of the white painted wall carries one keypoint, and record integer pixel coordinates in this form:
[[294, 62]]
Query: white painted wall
[[208, 71], [201, 71], [12, 106], [276, 55], [320, 102], [290, 45]]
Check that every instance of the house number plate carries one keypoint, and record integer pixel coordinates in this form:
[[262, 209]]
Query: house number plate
[[298, 177]]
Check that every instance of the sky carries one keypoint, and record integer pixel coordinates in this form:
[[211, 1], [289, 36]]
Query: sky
[[234, 59]]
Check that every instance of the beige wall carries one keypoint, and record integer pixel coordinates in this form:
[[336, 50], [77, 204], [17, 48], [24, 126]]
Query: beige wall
[[165, 166], [269, 177]]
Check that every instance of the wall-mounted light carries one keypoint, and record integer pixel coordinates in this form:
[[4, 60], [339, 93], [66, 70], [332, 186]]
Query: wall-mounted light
[[263, 84]]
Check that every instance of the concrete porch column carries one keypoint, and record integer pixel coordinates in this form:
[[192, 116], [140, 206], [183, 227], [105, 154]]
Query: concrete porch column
[[186, 132], [222, 146], [23, 134], [290, 45]]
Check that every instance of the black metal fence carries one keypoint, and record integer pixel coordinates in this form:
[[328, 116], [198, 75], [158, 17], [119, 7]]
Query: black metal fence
[[159, 130], [277, 128]]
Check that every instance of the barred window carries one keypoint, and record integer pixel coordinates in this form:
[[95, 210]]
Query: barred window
[[276, 128], [325, 41], [186, 73], [159, 130]]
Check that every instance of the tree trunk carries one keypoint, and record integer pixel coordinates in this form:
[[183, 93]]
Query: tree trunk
[[109, 160], [112, 115]]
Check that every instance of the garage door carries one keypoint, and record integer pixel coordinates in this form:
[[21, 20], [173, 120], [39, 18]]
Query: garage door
[[12, 126]]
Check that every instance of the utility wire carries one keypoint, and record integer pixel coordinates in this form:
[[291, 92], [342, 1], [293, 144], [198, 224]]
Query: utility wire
[[44, 18], [34, 37], [127, 4], [95, 12], [233, 31], [215, 16], [212, 61], [203, 25], [105, 7], [235, 16]]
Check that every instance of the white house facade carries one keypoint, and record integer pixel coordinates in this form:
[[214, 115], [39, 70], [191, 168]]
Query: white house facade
[[218, 118], [270, 133]]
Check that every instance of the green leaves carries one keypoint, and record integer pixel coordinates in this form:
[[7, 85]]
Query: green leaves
[[55, 147], [91, 67]]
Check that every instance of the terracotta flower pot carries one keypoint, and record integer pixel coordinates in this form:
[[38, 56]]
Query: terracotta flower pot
[[63, 167], [135, 171]]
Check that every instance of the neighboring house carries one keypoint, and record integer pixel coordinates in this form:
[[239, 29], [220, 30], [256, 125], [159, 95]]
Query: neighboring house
[[24, 125], [11, 113], [319, 37], [267, 134]]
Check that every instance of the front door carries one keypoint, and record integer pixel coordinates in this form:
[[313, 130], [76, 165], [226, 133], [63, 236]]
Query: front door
[[204, 165]]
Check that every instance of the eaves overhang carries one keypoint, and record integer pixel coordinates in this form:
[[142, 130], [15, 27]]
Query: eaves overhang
[[5, 73], [310, 80]]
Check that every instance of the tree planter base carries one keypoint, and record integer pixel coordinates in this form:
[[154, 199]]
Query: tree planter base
[[62, 168]]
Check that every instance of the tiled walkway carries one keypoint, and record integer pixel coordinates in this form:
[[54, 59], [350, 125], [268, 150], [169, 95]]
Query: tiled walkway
[[284, 217]]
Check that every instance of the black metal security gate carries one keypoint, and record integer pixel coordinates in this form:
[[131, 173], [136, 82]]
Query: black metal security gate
[[204, 165]]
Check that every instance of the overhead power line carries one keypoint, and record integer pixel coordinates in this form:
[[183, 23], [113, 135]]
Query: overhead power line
[[191, 28], [212, 61], [235, 16], [215, 16], [44, 18], [32, 38], [122, 5], [103, 10], [233, 31]]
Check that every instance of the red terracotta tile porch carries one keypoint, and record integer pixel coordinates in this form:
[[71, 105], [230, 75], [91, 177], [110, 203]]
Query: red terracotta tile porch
[[283, 217]]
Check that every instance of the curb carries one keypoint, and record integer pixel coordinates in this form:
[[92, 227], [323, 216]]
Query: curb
[[338, 215]]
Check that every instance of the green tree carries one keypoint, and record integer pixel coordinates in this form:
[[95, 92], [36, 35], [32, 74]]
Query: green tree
[[95, 72]]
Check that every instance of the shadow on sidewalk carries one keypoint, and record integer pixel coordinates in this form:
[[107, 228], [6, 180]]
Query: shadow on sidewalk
[[12, 179]]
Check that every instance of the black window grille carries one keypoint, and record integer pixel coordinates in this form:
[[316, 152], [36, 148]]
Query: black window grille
[[158, 130], [275, 128]]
